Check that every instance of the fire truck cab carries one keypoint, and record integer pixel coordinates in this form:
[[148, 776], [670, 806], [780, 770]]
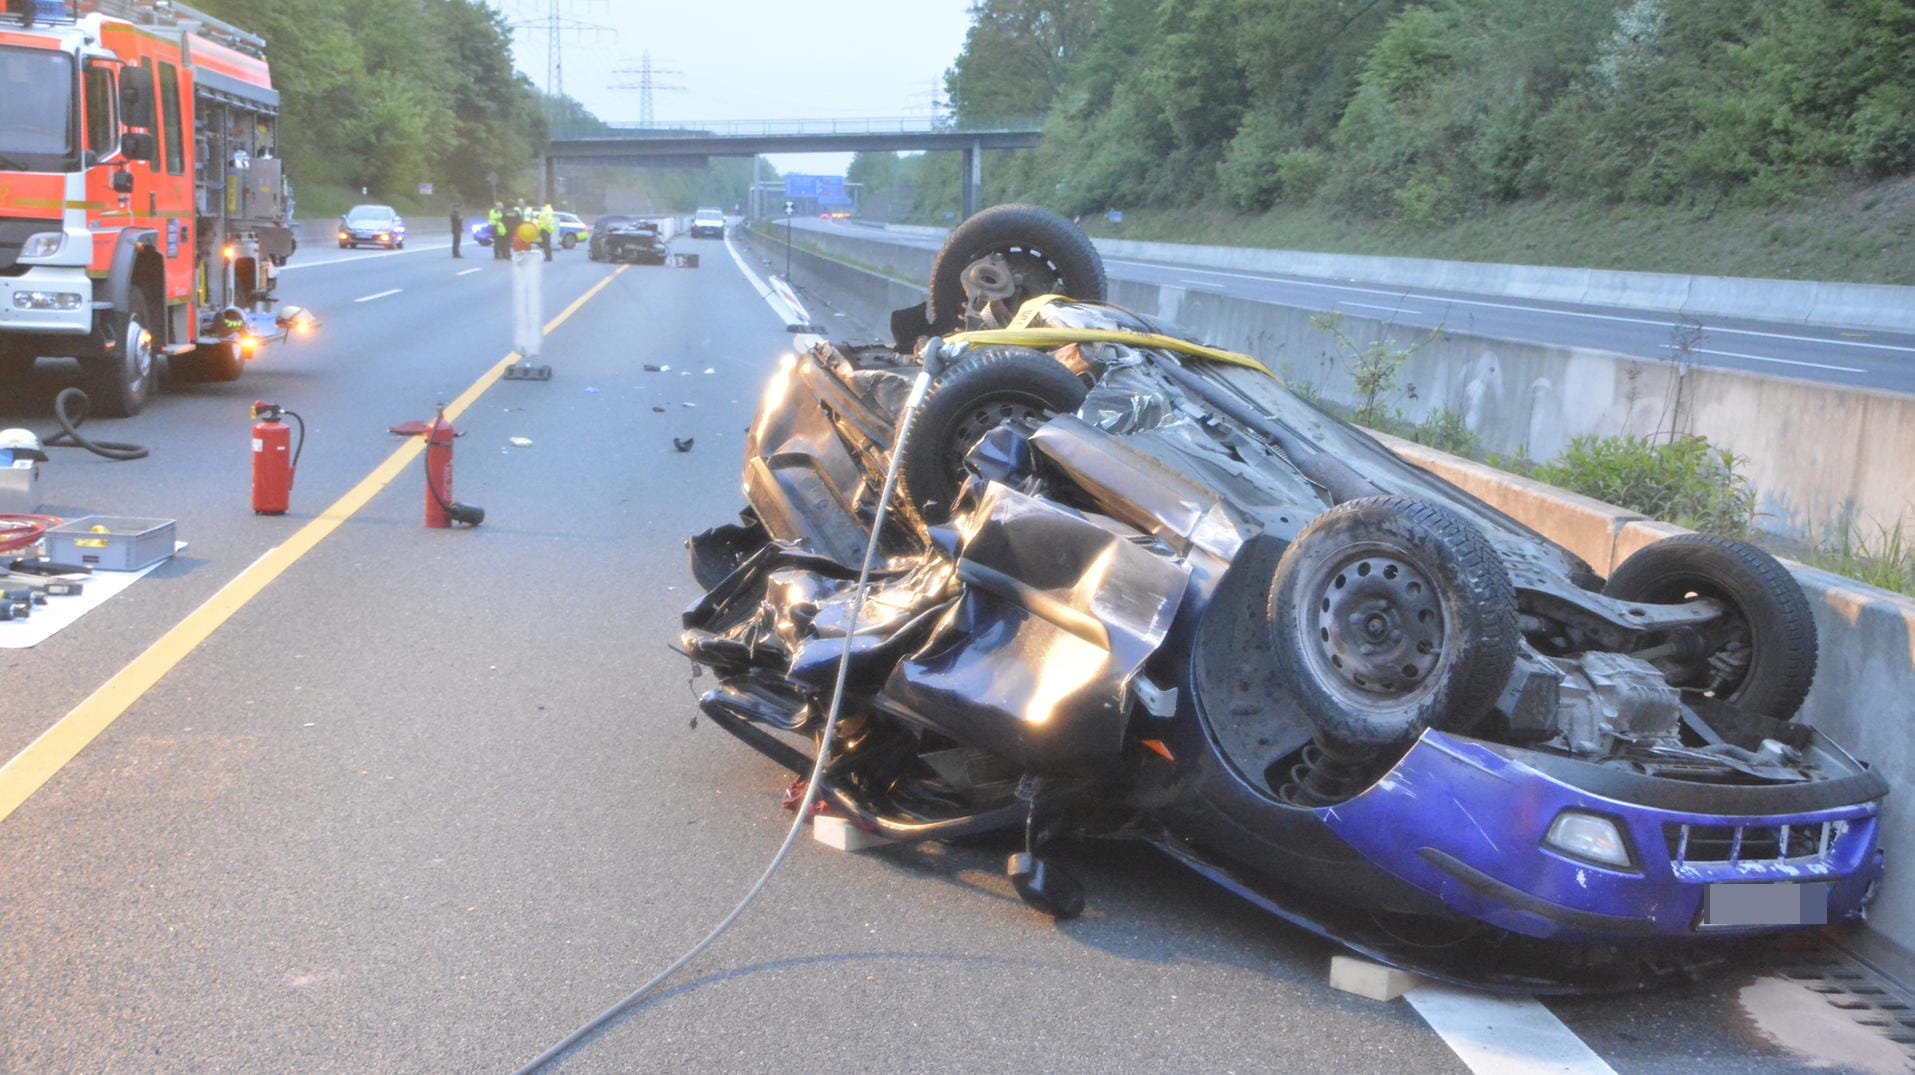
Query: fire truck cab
[[142, 205]]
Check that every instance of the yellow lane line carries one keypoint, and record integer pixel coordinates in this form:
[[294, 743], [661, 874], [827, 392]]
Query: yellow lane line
[[58, 745]]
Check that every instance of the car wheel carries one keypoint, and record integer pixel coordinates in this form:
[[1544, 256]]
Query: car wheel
[[122, 379], [984, 389], [1763, 656], [1392, 615], [344, 245], [1012, 253], [569, 242]]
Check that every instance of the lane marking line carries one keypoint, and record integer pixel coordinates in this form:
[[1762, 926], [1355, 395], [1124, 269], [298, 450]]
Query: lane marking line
[[1504, 1035], [378, 295], [467, 272], [1765, 358], [1387, 309], [774, 299], [58, 745], [345, 258]]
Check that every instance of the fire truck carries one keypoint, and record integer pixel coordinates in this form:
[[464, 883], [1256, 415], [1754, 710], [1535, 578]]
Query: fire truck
[[142, 205]]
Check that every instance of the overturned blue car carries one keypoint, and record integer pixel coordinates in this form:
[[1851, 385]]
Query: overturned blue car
[[1131, 587]]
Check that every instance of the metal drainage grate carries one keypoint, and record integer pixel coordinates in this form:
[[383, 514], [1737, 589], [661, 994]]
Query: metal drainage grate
[[1866, 997]]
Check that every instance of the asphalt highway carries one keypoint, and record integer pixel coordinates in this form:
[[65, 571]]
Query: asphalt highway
[[1832, 354], [424, 801]]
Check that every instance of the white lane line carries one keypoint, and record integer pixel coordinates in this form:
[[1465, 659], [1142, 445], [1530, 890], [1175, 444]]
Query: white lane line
[[378, 295], [777, 296], [1766, 358], [467, 272], [1373, 306], [1504, 1035], [345, 258], [1406, 294]]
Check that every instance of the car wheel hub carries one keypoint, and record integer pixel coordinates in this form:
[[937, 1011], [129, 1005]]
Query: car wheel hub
[[979, 420], [1378, 626]]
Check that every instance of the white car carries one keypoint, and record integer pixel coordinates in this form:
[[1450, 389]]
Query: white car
[[708, 224]]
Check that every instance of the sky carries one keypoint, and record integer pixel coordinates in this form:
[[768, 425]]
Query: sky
[[748, 59]]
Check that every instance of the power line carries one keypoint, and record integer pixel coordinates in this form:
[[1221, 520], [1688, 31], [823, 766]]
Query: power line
[[556, 23], [647, 83]]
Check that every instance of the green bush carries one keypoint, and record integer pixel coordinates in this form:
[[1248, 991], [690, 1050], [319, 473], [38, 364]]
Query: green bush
[[1444, 430], [1300, 172], [1686, 481]]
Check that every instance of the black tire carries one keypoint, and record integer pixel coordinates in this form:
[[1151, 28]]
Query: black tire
[[220, 362], [1048, 254], [1391, 615], [1770, 617], [120, 381], [969, 399], [568, 242], [14, 366]]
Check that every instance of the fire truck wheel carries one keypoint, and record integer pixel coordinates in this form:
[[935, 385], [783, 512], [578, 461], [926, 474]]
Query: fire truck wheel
[[220, 362], [14, 367], [123, 378]]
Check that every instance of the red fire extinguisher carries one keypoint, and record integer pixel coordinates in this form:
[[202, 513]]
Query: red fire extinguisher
[[273, 467], [441, 510]]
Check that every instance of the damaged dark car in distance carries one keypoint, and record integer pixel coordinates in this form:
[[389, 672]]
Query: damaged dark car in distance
[[1133, 587], [626, 239]]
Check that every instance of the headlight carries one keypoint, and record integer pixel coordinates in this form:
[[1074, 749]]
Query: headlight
[[1590, 837], [46, 300], [44, 245]]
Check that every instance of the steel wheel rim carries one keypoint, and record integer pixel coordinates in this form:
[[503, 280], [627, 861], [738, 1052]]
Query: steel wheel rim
[[1374, 628], [138, 348], [980, 418]]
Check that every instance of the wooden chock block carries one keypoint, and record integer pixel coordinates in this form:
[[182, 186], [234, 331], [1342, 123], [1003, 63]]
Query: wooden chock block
[[1372, 980], [842, 834]]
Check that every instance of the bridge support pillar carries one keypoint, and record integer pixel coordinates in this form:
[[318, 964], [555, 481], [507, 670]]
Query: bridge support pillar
[[972, 182]]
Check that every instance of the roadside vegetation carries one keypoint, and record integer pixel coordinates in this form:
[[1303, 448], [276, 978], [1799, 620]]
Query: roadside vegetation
[[1773, 137]]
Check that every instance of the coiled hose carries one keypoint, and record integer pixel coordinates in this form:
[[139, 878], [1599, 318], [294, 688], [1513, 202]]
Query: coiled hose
[[70, 408]]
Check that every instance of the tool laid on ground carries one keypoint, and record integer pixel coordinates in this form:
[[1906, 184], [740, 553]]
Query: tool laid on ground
[[44, 567], [273, 469]]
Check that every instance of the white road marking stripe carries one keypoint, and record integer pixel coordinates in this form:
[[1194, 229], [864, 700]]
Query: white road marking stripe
[[1407, 294], [1503, 1035], [773, 299], [1373, 306], [466, 272], [344, 258], [378, 295], [1766, 358]]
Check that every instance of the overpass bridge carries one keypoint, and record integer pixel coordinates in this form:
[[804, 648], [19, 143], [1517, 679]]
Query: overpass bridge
[[691, 144]]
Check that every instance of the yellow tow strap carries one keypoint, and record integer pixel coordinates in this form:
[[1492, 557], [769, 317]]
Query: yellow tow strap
[[1020, 334]]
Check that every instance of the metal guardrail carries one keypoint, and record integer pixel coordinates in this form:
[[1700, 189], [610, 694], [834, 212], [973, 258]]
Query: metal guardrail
[[760, 128]]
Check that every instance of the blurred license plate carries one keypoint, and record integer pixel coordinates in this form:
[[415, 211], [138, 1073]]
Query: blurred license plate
[[1779, 903]]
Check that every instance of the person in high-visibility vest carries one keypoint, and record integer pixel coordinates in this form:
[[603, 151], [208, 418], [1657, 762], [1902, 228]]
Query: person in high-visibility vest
[[547, 225], [496, 221]]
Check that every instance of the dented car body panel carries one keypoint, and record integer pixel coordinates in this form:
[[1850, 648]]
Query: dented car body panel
[[1089, 642]]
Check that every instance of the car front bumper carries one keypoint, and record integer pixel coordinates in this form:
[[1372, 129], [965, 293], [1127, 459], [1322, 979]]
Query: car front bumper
[[1464, 821]]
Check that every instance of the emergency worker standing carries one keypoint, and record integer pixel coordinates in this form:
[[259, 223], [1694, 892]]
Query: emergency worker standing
[[514, 216], [547, 224], [458, 229], [496, 221]]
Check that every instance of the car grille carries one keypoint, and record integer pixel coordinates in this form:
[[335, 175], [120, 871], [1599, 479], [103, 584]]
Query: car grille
[[1807, 841]]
